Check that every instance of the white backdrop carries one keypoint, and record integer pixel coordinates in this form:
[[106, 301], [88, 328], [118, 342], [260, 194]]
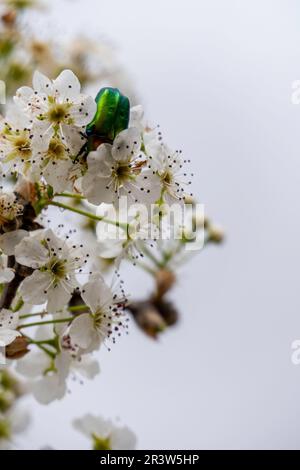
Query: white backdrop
[[217, 76]]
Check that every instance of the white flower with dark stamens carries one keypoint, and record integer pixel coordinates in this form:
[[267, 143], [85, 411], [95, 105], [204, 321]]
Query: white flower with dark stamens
[[105, 320], [16, 142], [120, 170], [149, 134], [57, 166], [9, 322], [47, 376], [104, 434], [57, 109], [9, 207], [168, 165], [55, 263]]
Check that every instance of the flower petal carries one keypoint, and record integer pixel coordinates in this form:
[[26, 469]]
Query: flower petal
[[58, 296], [127, 144], [42, 84], [96, 293], [9, 241], [82, 331], [8, 336], [34, 288], [67, 85], [34, 364], [8, 319], [97, 189], [83, 112], [30, 252], [48, 389], [6, 275]]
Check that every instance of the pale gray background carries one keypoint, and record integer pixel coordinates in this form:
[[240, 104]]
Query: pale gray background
[[217, 75]]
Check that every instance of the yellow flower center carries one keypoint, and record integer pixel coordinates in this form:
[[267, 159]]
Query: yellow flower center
[[58, 113], [101, 443]]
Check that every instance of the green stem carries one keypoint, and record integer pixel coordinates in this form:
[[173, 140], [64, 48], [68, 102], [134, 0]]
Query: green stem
[[49, 322], [70, 195], [78, 308], [49, 342], [29, 315], [87, 214], [151, 256], [40, 346]]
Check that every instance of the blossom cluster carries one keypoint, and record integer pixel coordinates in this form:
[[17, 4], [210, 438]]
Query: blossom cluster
[[58, 143], [67, 156]]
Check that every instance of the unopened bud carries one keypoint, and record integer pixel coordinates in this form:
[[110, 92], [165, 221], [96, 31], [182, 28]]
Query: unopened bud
[[9, 18], [189, 200], [165, 280], [215, 234], [167, 311], [17, 349], [147, 318]]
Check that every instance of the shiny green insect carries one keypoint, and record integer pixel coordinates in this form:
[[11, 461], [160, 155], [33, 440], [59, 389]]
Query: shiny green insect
[[112, 117]]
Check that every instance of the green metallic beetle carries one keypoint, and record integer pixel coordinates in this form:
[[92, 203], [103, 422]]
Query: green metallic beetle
[[112, 117]]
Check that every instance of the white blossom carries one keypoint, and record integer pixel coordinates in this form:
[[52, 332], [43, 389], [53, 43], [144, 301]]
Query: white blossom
[[105, 319], [16, 141], [104, 434], [57, 108], [48, 376], [9, 207], [169, 166], [120, 170], [55, 264]]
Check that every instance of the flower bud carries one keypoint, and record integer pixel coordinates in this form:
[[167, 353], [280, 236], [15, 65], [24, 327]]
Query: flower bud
[[189, 200], [165, 280], [9, 18], [215, 234], [17, 349], [167, 311], [147, 318]]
